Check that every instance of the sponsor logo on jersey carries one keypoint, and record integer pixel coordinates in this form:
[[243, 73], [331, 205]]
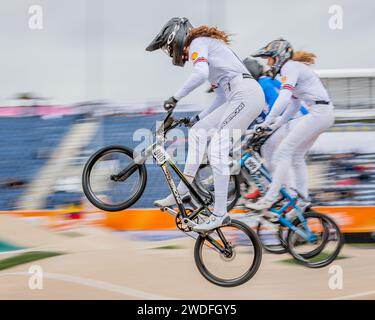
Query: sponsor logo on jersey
[[232, 115]]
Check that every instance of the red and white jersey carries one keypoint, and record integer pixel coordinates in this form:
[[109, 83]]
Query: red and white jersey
[[302, 82], [214, 61], [299, 83]]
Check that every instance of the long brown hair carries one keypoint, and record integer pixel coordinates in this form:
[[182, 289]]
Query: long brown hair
[[304, 56], [206, 31]]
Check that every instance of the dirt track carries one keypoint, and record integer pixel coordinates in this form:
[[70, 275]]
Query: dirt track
[[103, 265]]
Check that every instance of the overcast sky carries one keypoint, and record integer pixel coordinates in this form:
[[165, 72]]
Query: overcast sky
[[95, 49]]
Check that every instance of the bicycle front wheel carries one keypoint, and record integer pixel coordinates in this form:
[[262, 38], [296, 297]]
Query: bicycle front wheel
[[273, 238], [111, 180], [228, 256]]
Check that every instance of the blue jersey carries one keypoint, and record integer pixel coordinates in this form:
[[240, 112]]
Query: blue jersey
[[271, 88]]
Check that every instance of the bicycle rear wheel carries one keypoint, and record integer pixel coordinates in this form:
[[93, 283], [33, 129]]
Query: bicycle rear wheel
[[324, 249], [111, 180], [204, 182], [228, 256]]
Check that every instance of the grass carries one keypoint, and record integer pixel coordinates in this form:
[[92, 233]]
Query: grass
[[26, 257], [321, 256], [170, 246], [71, 234]]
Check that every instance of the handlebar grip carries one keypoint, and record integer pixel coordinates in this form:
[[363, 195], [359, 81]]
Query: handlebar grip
[[184, 120], [259, 130]]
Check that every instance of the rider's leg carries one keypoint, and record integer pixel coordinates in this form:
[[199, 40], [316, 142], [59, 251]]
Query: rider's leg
[[269, 147], [267, 151], [299, 167], [300, 173], [245, 103], [306, 131], [219, 161], [197, 145]]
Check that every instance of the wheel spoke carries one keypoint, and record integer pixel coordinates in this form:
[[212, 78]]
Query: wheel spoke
[[324, 249], [111, 179], [238, 259]]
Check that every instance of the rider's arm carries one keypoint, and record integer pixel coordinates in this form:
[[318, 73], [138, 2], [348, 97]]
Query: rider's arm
[[198, 53], [293, 107], [219, 100], [290, 77]]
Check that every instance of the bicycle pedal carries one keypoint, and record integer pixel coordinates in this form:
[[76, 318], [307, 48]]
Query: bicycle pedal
[[169, 210], [161, 207], [189, 223]]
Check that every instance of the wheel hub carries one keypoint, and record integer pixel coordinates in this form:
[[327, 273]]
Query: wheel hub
[[228, 254]]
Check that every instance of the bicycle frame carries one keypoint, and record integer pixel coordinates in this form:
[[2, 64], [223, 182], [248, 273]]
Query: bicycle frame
[[163, 159], [291, 202], [189, 220]]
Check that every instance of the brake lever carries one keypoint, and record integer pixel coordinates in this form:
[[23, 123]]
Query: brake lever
[[184, 121]]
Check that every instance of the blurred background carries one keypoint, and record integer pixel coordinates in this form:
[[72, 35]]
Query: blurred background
[[82, 79], [75, 77]]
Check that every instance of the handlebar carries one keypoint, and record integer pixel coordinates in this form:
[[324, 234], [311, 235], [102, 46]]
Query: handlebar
[[170, 123], [258, 138], [260, 130]]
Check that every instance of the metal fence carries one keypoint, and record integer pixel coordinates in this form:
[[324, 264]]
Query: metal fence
[[350, 89]]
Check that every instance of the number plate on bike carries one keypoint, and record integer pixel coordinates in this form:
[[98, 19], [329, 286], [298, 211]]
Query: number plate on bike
[[253, 164], [159, 154]]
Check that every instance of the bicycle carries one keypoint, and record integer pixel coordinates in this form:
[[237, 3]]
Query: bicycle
[[298, 227], [120, 167]]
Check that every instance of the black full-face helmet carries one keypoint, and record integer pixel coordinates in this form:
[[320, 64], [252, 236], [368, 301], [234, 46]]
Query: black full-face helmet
[[171, 39], [254, 67], [279, 49]]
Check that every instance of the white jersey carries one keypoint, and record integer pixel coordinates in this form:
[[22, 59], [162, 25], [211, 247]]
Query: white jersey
[[299, 83], [303, 82], [214, 61]]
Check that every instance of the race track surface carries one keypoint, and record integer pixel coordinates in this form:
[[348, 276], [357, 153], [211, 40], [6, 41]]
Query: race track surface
[[100, 264]]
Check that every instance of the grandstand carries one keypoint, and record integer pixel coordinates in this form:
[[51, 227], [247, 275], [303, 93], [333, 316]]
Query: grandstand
[[26, 144], [43, 156], [120, 130], [344, 179]]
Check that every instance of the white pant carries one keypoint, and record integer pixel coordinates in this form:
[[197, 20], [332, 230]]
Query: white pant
[[298, 162], [289, 157], [271, 144], [245, 101]]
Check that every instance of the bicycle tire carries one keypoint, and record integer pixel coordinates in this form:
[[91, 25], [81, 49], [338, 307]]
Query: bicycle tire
[[271, 248], [302, 258], [239, 280], [141, 168], [207, 194]]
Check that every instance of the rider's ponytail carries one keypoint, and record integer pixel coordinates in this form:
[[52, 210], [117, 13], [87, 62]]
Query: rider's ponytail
[[305, 57], [206, 31]]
